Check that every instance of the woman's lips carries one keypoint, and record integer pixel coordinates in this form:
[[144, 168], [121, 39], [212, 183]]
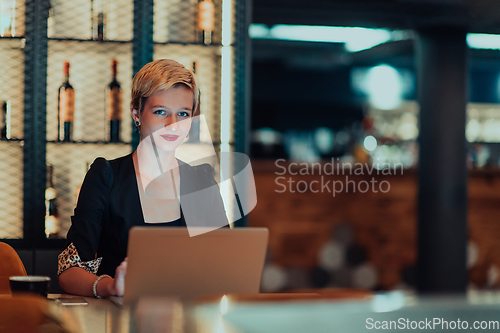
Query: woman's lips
[[169, 137]]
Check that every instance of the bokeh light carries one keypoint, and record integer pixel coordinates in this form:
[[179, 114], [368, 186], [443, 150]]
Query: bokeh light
[[384, 87], [370, 143]]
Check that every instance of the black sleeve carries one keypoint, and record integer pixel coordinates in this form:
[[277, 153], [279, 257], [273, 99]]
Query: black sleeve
[[93, 202]]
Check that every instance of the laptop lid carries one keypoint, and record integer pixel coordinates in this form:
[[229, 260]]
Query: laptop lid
[[166, 261]]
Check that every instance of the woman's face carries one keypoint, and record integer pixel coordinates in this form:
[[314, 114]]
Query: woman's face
[[167, 117]]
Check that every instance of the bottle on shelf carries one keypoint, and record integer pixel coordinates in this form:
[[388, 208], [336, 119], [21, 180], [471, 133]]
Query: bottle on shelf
[[52, 225], [6, 114], [7, 18], [66, 110], [98, 20], [100, 26], [205, 22], [114, 105], [50, 22]]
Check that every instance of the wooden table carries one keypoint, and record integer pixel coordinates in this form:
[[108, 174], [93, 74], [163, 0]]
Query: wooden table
[[203, 315], [100, 315], [287, 313]]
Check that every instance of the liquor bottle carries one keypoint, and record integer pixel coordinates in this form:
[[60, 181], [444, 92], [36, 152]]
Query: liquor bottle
[[114, 105], [205, 22], [50, 22], [100, 26], [66, 112], [98, 20], [52, 225], [6, 112]]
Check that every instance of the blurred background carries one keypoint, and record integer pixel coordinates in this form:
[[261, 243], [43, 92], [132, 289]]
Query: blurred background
[[339, 81], [298, 86]]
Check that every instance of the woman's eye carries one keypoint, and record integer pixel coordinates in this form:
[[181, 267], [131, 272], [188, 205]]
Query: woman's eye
[[159, 112], [183, 114]]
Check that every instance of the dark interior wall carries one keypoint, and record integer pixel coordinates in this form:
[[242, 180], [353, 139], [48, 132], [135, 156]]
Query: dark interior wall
[[286, 97], [292, 98], [42, 262], [483, 85]]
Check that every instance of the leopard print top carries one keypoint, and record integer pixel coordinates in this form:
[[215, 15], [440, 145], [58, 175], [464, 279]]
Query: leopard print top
[[70, 258]]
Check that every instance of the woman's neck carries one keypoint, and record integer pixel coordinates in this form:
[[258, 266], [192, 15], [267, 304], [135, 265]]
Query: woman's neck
[[153, 161], [166, 160]]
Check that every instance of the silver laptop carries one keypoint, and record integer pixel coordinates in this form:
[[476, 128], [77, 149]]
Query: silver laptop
[[165, 261]]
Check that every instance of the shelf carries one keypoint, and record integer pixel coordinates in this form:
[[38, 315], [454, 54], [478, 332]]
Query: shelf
[[123, 42], [187, 43], [89, 75], [12, 51], [11, 183], [91, 41], [89, 142], [12, 38], [23, 158], [12, 140], [70, 161]]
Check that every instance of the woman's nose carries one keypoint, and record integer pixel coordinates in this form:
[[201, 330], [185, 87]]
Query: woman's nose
[[171, 123]]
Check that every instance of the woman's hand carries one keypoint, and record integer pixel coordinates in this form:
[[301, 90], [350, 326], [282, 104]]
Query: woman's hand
[[119, 283]]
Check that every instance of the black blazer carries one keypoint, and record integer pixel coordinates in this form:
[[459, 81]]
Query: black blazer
[[109, 205]]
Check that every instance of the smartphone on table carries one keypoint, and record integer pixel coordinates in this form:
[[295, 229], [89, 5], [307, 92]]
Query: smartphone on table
[[71, 300]]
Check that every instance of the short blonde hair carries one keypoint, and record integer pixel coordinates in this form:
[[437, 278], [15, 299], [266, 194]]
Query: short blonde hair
[[159, 75]]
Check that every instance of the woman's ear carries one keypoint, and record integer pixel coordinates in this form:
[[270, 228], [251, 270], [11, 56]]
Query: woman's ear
[[135, 113]]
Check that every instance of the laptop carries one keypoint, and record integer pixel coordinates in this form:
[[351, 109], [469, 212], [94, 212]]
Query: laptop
[[166, 261]]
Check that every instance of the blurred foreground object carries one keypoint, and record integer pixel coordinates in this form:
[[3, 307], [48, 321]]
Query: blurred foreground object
[[26, 314]]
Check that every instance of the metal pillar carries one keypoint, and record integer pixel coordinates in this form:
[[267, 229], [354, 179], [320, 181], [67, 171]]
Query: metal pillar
[[142, 44], [35, 122], [242, 72], [442, 184]]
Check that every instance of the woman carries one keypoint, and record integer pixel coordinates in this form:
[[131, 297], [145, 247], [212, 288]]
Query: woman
[[142, 188]]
